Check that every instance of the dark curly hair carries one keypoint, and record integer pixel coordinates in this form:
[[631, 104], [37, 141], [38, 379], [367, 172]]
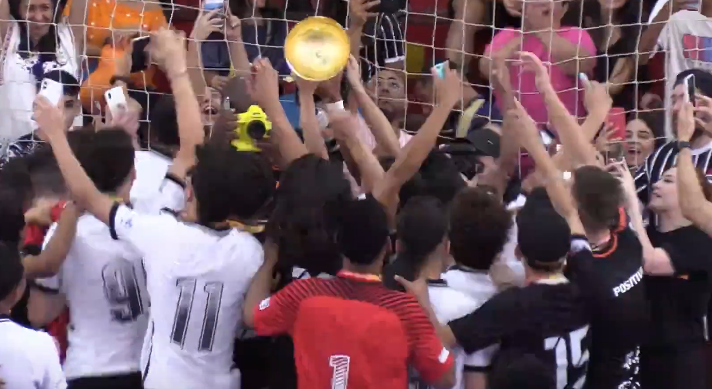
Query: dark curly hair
[[230, 184], [479, 227], [306, 217], [599, 196]]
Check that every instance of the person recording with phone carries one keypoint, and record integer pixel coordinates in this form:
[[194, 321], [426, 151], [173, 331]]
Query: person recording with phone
[[255, 33], [664, 157], [66, 90]]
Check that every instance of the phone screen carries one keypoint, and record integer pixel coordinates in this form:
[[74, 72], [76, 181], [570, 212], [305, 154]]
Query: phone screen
[[616, 117], [691, 86], [139, 58]]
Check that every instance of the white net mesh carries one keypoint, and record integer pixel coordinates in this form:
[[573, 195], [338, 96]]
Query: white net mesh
[[610, 40]]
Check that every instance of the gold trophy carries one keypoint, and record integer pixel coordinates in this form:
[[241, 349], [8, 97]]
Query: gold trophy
[[317, 48]]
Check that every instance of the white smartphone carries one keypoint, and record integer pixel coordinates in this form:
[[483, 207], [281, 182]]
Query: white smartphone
[[690, 87], [115, 100], [52, 91], [211, 5]]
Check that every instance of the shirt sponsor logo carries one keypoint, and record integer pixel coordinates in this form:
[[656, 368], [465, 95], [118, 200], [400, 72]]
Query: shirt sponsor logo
[[443, 355], [264, 304], [629, 283]]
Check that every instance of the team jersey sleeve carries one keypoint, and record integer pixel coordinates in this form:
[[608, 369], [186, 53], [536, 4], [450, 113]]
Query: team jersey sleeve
[[149, 234], [276, 314], [490, 323], [427, 354], [170, 197], [53, 377], [480, 361]]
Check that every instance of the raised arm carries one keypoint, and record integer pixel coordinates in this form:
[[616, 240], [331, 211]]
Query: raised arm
[[168, 49], [313, 140], [581, 151], [263, 87], [598, 103], [693, 203], [345, 126], [48, 262], [415, 152], [6, 21], [78, 22], [83, 190], [205, 24], [377, 122], [553, 178], [358, 16], [238, 55]]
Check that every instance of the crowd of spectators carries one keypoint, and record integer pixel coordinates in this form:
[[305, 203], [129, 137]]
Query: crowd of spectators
[[535, 211]]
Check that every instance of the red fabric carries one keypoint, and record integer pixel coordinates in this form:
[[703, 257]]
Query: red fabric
[[34, 235], [58, 330], [56, 211], [359, 331]]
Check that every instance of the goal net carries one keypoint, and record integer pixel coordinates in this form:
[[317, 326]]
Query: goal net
[[609, 46]]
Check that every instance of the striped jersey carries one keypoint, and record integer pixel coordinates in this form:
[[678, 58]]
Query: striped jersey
[[664, 158]]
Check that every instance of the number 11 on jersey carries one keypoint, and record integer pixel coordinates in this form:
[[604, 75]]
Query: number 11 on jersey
[[213, 291]]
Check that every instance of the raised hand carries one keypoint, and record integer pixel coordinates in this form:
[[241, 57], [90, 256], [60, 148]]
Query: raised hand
[[233, 27], [40, 213], [306, 86], [342, 123], [353, 74], [263, 86], [524, 125], [49, 117], [532, 63], [168, 50], [686, 122], [513, 7], [449, 88], [703, 113], [206, 24], [596, 97], [359, 10], [127, 118]]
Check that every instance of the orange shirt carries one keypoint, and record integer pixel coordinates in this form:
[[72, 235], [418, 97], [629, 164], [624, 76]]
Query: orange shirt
[[103, 16]]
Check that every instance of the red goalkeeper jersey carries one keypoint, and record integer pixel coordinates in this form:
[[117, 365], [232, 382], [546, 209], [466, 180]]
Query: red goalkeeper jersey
[[352, 331]]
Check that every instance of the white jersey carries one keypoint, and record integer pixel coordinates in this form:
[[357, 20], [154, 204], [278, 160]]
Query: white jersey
[[197, 279], [686, 41], [448, 305], [474, 283], [151, 168], [104, 282], [28, 359], [105, 286]]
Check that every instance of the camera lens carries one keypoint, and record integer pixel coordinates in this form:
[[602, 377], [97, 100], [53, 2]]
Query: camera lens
[[256, 130]]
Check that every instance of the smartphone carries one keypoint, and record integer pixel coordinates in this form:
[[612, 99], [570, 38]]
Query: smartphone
[[616, 117], [115, 100], [690, 87], [139, 58], [440, 69], [547, 138], [212, 5], [52, 91]]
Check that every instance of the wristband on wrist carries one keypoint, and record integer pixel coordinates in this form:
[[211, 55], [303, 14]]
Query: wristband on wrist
[[681, 144]]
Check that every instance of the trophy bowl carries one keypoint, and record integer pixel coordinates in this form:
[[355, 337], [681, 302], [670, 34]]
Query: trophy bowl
[[317, 48]]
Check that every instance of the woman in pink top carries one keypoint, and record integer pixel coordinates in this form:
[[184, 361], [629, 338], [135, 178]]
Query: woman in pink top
[[570, 51]]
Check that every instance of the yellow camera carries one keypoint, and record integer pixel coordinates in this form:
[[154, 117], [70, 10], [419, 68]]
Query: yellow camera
[[252, 126]]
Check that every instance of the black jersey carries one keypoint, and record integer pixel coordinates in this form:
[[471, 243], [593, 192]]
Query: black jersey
[[611, 279], [679, 302], [548, 319]]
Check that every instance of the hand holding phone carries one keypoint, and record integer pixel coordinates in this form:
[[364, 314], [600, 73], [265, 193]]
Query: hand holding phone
[[616, 119], [115, 100], [52, 91], [690, 87]]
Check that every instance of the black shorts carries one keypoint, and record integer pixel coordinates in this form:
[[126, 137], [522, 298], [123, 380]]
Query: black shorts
[[671, 368], [123, 381]]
